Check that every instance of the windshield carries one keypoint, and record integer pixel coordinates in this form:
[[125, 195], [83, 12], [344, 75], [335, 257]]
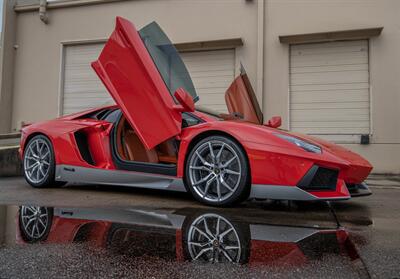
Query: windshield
[[167, 60]]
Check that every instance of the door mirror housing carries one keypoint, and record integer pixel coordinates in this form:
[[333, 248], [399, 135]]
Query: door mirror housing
[[274, 122], [186, 103]]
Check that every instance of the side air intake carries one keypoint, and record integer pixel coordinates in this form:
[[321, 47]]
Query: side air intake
[[319, 179]]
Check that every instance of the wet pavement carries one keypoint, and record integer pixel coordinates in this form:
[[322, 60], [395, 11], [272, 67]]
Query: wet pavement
[[88, 231]]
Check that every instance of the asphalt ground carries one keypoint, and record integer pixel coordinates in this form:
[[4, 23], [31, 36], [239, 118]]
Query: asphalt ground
[[373, 225]]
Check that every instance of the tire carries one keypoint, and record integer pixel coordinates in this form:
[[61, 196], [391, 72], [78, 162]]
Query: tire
[[35, 223], [39, 163], [217, 162], [203, 229]]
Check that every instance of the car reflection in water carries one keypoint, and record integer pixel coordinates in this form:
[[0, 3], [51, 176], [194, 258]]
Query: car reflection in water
[[183, 235]]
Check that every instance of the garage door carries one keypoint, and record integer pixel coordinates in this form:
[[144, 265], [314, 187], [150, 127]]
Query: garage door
[[329, 89], [211, 71], [82, 87]]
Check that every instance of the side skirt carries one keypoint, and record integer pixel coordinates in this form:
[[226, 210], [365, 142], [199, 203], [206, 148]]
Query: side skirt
[[76, 174]]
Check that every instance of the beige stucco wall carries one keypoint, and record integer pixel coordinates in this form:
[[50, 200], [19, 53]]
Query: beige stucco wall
[[37, 61], [287, 17], [38, 58]]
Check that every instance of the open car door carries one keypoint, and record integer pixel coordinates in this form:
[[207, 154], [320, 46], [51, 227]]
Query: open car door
[[242, 101], [136, 82]]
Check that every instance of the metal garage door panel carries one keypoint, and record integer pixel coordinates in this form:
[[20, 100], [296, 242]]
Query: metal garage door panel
[[82, 88], [212, 72], [329, 89]]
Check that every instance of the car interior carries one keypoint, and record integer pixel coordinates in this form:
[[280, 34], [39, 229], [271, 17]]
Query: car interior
[[130, 148]]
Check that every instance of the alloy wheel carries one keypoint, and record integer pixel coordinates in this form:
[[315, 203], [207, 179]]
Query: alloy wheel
[[37, 160], [215, 171], [212, 238], [35, 221]]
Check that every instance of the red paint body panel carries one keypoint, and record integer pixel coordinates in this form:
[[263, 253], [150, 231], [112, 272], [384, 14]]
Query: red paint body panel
[[129, 74]]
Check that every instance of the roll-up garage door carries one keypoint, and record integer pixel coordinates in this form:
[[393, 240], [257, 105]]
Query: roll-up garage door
[[211, 71], [82, 87], [329, 89]]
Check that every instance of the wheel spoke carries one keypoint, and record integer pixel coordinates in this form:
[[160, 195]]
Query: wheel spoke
[[32, 153], [204, 168], [37, 147], [207, 229], [225, 253], [231, 247], [226, 184], [218, 190], [218, 157], [42, 223], [32, 166], [222, 235], [217, 227], [208, 184], [202, 251], [204, 179], [41, 171], [37, 172], [28, 223], [202, 233], [198, 244], [46, 154], [211, 152], [229, 161], [203, 161], [231, 172]]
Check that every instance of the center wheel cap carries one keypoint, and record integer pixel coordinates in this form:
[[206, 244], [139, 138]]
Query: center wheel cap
[[215, 243]]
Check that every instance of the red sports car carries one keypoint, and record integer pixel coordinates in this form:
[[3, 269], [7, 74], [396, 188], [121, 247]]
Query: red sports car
[[154, 137]]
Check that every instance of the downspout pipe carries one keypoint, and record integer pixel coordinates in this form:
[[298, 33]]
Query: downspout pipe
[[260, 52], [43, 11]]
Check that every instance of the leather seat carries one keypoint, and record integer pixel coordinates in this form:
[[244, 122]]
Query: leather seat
[[136, 151], [130, 147], [167, 152]]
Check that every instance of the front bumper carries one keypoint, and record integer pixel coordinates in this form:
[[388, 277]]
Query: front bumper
[[359, 190], [280, 192]]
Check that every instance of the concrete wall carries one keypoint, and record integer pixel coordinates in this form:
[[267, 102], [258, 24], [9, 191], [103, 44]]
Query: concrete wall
[[286, 17], [8, 217], [10, 163], [38, 59]]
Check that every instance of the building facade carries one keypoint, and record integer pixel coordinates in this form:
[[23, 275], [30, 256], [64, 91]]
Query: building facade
[[329, 68]]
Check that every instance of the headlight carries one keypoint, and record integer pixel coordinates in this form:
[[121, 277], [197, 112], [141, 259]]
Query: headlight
[[301, 143]]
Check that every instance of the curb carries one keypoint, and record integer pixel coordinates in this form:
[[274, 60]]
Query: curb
[[10, 163]]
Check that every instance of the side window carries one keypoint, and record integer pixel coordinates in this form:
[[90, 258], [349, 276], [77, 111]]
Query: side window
[[189, 120], [113, 116]]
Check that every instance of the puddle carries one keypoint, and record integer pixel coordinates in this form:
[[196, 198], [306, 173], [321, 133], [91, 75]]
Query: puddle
[[170, 243]]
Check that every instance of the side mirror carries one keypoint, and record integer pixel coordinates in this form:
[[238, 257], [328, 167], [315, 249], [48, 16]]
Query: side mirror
[[274, 122], [185, 101]]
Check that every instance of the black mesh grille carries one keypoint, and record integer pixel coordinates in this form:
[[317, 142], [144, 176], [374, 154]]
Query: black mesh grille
[[318, 178], [83, 146]]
